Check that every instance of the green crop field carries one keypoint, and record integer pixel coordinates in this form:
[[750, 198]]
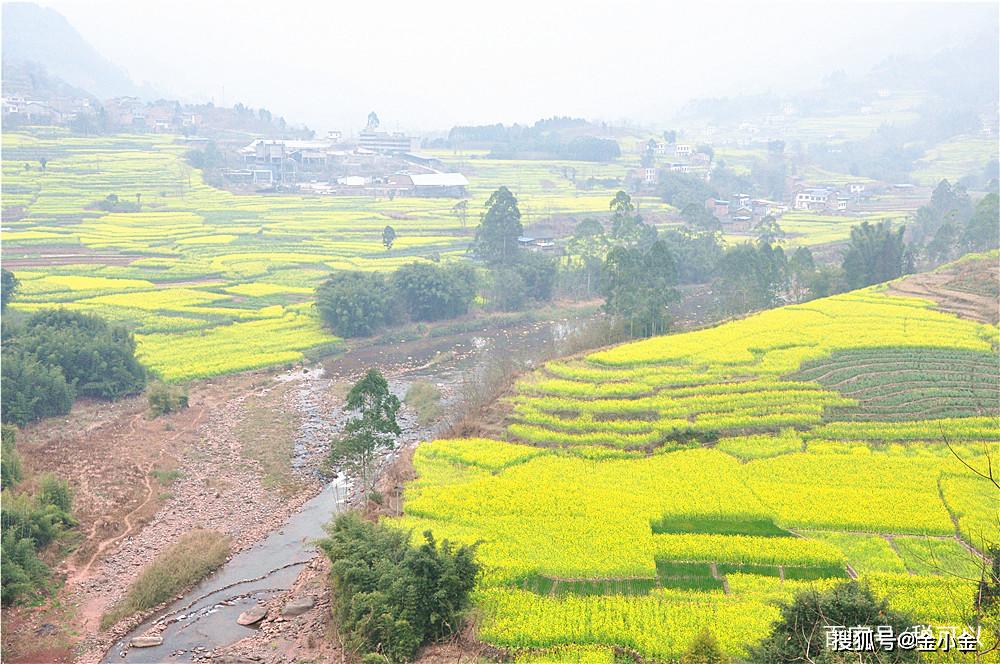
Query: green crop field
[[960, 156], [649, 490]]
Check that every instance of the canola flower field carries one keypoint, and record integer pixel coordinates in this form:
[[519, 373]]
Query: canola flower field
[[213, 282], [650, 490]]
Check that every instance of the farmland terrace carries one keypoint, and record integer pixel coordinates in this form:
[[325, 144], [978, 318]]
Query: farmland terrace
[[646, 491]]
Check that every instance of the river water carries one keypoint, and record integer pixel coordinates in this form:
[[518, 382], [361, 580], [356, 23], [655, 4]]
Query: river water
[[205, 617]]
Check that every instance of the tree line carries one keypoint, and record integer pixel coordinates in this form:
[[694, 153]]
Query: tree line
[[358, 304]]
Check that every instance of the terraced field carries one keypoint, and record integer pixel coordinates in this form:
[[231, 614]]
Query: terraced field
[[956, 158], [649, 490], [213, 282]]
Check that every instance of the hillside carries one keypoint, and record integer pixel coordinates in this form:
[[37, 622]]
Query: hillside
[[697, 480], [33, 34]]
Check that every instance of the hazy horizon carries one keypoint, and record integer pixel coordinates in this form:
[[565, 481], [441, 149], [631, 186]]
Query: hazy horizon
[[430, 66]]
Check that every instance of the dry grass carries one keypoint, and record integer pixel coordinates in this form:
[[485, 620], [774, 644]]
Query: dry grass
[[267, 435], [425, 399], [189, 560]]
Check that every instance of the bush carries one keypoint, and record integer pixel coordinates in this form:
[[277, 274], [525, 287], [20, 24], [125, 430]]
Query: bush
[[29, 524], [60, 354], [705, 650], [188, 560], [508, 291], [389, 597], [96, 358], [165, 399], [800, 635], [356, 304], [10, 460], [539, 274], [31, 390], [429, 292]]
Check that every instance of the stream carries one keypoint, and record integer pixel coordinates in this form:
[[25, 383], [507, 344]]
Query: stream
[[205, 617]]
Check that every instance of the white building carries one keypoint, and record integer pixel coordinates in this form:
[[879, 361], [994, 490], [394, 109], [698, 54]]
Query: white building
[[812, 199]]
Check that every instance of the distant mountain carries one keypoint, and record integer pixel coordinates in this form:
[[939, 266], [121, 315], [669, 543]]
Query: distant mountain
[[34, 35]]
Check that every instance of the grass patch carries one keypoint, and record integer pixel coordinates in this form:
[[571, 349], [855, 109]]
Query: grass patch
[[166, 477], [188, 560], [267, 434], [425, 399], [867, 554], [710, 526]]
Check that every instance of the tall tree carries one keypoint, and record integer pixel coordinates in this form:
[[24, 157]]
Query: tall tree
[[461, 210], [638, 286], [496, 236], [627, 227], [801, 272], [373, 428], [388, 237], [753, 276], [768, 230], [875, 254], [8, 286], [591, 245], [983, 230]]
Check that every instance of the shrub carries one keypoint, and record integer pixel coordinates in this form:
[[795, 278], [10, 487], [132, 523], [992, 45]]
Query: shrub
[[508, 292], [31, 390], [429, 292], [97, 358], [30, 523], [799, 635], [389, 597], [59, 354], [705, 650], [165, 399], [10, 460], [356, 304]]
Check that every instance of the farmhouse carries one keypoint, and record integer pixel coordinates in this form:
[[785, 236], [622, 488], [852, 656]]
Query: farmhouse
[[717, 207], [430, 184], [812, 199]]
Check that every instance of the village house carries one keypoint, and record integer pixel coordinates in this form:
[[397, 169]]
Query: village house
[[812, 199], [717, 207], [761, 207], [682, 151]]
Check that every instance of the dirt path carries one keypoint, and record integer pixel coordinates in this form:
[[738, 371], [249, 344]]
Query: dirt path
[[968, 289]]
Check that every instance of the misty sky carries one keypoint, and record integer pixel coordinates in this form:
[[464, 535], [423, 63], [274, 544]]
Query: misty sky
[[429, 65]]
